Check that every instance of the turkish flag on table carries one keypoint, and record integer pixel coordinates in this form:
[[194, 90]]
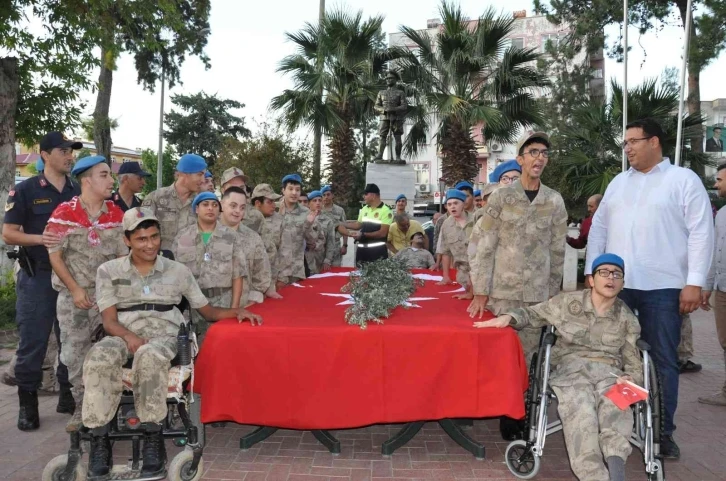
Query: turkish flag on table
[[306, 368]]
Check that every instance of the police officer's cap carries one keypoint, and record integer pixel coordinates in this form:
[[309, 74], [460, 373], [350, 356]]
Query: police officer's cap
[[372, 189], [314, 194], [455, 194], [86, 163], [53, 140], [132, 168], [609, 259], [292, 178], [464, 185], [201, 197], [191, 164], [502, 169], [326, 188], [400, 196]]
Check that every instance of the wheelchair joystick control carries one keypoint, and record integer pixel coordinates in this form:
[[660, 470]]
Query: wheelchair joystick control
[[183, 348]]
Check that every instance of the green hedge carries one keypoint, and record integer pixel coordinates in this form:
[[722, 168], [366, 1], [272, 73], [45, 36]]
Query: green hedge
[[7, 303]]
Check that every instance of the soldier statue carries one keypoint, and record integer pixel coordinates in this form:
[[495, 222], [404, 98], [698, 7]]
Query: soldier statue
[[391, 105]]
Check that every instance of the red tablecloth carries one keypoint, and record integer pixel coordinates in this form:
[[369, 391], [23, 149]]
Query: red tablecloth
[[306, 368]]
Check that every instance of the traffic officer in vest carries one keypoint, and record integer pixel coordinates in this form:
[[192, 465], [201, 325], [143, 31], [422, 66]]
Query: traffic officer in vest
[[173, 205], [371, 229], [27, 211]]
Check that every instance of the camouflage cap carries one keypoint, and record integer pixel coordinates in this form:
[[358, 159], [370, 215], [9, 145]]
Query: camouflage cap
[[531, 135], [233, 172], [264, 190], [137, 215]]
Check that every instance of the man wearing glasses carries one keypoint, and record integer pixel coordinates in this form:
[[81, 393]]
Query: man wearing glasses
[[658, 218], [517, 247], [506, 173]]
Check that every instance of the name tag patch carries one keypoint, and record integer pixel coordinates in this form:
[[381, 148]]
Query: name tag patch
[[41, 201]]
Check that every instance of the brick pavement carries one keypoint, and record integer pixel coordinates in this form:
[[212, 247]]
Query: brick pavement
[[296, 456]]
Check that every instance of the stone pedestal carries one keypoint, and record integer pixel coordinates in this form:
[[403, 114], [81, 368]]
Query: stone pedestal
[[393, 180]]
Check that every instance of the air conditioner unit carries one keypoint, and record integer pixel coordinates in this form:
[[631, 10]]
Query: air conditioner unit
[[423, 188], [496, 147]]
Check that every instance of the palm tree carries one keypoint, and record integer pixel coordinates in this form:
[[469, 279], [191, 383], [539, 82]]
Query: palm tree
[[469, 76], [587, 153], [352, 63]]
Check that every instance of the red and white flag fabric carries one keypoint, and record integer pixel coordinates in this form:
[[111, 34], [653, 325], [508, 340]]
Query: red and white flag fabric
[[626, 394], [71, 215]]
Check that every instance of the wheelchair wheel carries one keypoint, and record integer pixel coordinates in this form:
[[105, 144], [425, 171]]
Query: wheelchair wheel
[[521, 461], [655, 398], [179, 467], [57, 465]]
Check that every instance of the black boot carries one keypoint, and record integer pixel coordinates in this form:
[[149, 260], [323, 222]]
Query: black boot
[[28, 418], [511, 429], [668, 448], [66, 404], [100, 458], [154, 452]]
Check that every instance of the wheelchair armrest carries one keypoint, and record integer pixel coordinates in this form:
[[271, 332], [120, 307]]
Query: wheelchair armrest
[[642, 345]]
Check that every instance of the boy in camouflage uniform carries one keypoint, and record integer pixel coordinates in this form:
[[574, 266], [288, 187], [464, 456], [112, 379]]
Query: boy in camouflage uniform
[[214, 254], [172, 205], [258, 282], [136, 296], [454, 241], [337, 214], [299, 226], [416, 256], [90, 230], [264, 201], [320, 255], [596, 338]]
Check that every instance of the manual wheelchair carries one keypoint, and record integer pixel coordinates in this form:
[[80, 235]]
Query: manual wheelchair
[[523, 456], [182, 424]]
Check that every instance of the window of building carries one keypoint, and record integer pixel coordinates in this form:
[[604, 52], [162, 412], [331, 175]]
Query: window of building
[[597, 73], [518, 42], [554, 38], [422, 170], [17, 172]]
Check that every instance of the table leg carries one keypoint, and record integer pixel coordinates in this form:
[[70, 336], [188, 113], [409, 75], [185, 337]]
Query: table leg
[[402, 437], [259, 434], [462, 439], [327, 440]]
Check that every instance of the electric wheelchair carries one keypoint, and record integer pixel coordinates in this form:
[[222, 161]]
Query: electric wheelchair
[[523, 456]]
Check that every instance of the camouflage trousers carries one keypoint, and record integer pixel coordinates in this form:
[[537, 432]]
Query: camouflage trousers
[[102, 375], [529, 336], [594, 427], [337, 256], [76, 328], [685, 348], [462, 276], [222, 299]]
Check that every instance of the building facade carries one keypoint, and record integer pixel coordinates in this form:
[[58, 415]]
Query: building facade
[[528, 32]]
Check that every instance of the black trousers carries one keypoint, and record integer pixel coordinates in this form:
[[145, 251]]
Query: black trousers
[[365, 254]]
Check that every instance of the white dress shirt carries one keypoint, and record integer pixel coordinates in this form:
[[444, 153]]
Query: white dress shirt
[[660, 223]]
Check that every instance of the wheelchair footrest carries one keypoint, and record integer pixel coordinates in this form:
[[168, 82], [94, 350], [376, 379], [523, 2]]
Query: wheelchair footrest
[[124, 473]]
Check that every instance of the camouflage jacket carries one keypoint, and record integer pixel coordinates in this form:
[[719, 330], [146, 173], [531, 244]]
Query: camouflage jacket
[[337, 214], [296, 232], [259, 276], [454, 241], [173, 214], [415, 258]]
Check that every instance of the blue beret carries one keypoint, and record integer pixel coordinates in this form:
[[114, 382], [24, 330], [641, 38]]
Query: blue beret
[[400, 196], [191, 164], [86, 163], [201, 197], [326, 188], [503, 168], [612, 259], [39, 165], [292, 178], [455, 194], [207, 175], [314, 194], [477, 193], [463, 184]]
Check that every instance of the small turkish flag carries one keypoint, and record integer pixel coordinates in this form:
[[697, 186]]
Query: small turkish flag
[[625, 394]]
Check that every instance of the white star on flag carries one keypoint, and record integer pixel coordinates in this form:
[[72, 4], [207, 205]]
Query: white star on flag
[[349, 299]]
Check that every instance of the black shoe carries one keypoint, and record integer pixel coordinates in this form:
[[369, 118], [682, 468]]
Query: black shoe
[[100, 458], [28, 418], [688, 367], [153, 454], [668, 448], [511, 429], [66, 404]]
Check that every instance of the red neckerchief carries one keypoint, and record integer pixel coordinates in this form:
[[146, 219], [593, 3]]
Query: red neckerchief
[[71, 215]]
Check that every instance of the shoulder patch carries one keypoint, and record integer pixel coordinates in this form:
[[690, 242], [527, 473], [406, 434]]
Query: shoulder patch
[[575, 308], [493, 212], [9, 206]]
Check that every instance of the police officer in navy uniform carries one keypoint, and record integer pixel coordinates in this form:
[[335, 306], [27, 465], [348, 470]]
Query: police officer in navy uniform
[[131, 181], [27, 211]]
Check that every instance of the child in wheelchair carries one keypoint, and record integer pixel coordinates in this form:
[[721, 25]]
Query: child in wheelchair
[[596, 338]]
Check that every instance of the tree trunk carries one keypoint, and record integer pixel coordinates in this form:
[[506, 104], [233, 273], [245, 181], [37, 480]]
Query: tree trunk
[[9, 85], [458, 154], [101, 122], [342, 157], [317, 156], [693, 99]]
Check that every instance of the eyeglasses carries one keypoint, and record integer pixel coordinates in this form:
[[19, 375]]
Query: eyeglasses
[[535, 153], [508, 180], [607, 273], [631, 142]]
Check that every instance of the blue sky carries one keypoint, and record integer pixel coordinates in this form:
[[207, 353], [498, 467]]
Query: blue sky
[[247, 41]]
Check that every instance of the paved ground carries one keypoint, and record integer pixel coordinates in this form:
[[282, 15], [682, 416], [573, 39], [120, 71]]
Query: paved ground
[[296, 456]]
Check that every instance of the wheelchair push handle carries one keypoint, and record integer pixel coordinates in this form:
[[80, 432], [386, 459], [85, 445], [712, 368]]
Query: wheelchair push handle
[[642, 345], [183, 346]]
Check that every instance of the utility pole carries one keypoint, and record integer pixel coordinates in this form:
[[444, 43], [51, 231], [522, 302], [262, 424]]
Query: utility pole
[[317, 130]]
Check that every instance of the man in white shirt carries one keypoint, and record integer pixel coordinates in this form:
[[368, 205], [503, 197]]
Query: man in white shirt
[[658, 218]]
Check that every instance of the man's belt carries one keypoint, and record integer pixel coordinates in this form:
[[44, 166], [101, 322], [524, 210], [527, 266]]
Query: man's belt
[[147, 307], [372, 244], [214, 291]]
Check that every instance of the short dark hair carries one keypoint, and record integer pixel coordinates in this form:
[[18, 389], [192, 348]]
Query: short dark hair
[[303, 194], [650, 127], [294, 182], [533, 140], [233, 190], [147, 224], [717, 128], [721, 167], [260, 199]]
